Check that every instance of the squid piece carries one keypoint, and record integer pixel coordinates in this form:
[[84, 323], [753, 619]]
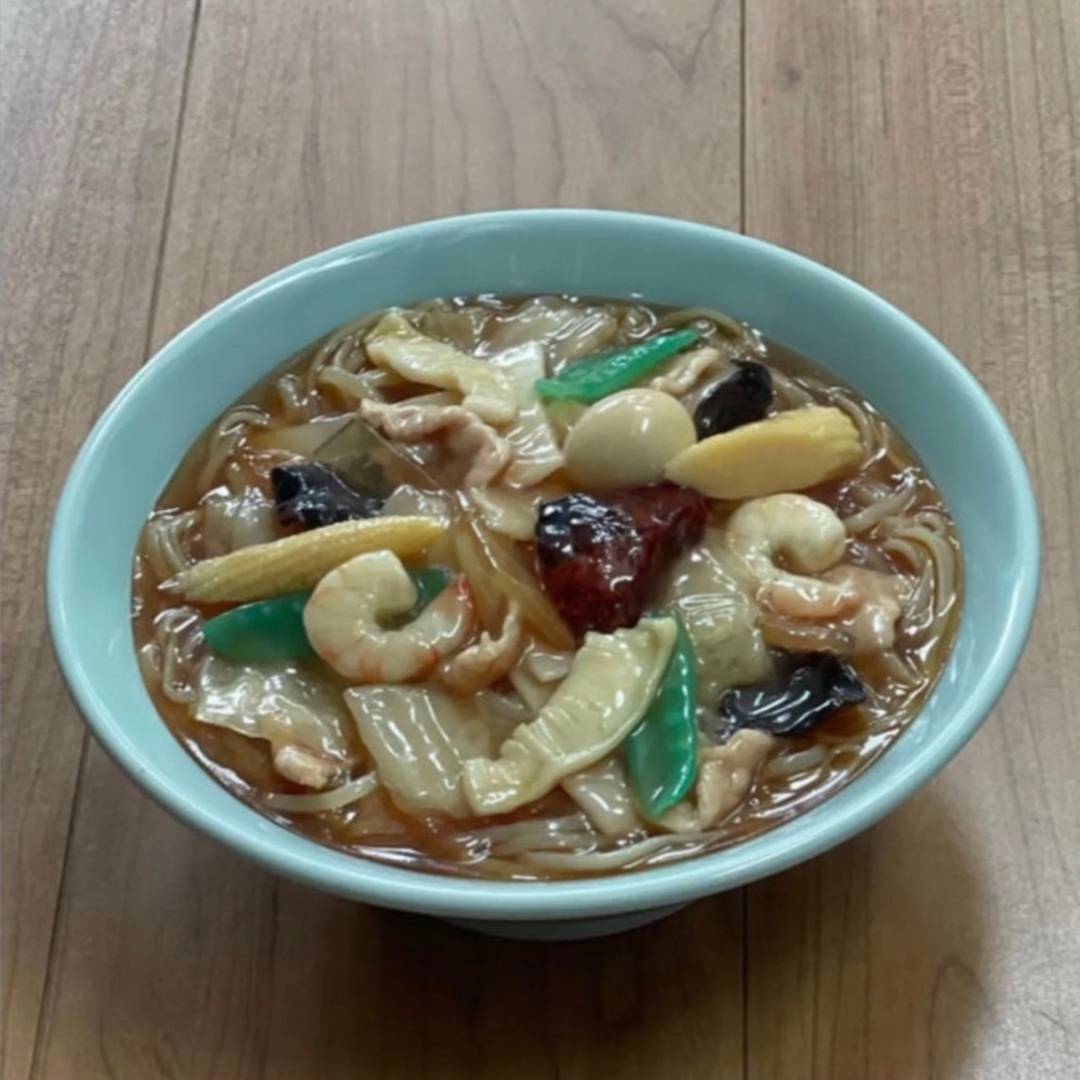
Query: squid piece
[[396, 344], [511, 513], [231, 522], [611, 683]]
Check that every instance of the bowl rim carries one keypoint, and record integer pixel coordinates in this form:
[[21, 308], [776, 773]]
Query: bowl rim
[[681, 881]]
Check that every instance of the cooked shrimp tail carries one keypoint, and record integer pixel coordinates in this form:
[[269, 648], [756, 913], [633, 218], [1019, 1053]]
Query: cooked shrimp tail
[[346, 614]]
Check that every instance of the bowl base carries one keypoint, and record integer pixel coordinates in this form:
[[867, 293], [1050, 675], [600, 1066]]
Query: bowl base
[[568, 929]]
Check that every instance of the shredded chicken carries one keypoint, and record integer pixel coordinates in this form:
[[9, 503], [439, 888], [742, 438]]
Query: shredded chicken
[[686, 370], [304, 767], [725, 774], [488, 660], [873, 626], [465, 434]]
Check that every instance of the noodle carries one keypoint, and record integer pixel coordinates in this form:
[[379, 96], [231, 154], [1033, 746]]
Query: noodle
[[783, 633], [179, 644], [166, 539], [782, 766], [880, 502], [870, 433], [619, 857], [228, 435], [725, 324], [323, 801], [295, 401], [219, 501], [791, 392], [533, 834], [941, 554]]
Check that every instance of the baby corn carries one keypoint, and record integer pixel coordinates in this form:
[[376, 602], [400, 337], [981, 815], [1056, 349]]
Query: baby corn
[[787, 452], [300, 562]]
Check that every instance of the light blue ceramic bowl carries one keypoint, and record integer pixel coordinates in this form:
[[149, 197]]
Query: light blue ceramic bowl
[[919, 386]]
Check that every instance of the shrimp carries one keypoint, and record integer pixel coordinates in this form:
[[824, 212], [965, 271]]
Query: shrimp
[[344, 614], [809, 537], [488, 660], [881, 599]]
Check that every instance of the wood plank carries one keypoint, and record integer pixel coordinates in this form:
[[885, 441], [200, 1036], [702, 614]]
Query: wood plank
[[930, 149], [90, 99], [305, 125], [309, 129]]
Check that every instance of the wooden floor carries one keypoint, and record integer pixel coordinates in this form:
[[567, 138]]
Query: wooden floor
[[159, 154]]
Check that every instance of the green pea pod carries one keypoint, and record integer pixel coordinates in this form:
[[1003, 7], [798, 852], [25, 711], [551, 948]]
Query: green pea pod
[[261, 631], [661, 752], [429, 582], [273, 629], [596, 376]]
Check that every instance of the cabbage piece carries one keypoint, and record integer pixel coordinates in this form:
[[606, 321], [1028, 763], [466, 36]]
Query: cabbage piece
[[709, 588], [603, 793], [300, 439], [231, 522], [409, 501], [566, 330], [300, 716], [460, 326], [396, 344], [420, 737], [611, 682], [536, 450]]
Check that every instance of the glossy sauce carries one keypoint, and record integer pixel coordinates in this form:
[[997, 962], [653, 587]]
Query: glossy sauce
[[375, 828]]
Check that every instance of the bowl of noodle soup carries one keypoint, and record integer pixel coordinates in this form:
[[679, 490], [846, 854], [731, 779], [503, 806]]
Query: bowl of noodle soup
[[473, 433]]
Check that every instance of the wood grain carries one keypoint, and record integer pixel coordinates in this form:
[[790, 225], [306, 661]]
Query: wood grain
[[91, 93], [309, 128], [305, 125], [929, 148], [932, 151]]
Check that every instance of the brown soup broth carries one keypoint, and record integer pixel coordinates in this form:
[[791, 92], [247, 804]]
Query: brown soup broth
[[375, 828]]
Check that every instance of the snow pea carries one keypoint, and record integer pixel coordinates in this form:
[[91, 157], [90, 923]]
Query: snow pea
[[661, 752], [429, 582], [596, 376], [261, 631]]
